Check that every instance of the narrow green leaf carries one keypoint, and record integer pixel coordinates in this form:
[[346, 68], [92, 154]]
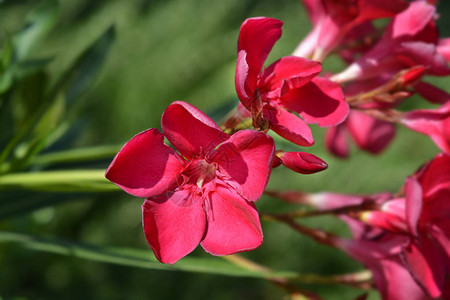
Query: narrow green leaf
[[76, 155], [136, 257], [67, 180], [82, 72], [14, 203], [40, 22]]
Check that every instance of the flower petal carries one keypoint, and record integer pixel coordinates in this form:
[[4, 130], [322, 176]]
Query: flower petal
[[189, 130], [377, 9], [233, 224], [443, 48], [431, 93], [256, 37], [415, 53], [174, 224], [434, 123], [413, 192], [369, 133], [145, 166], [243, 91], [319, 102], [434, 177], [290, 127], [291, 71], [412, 20], [426, 265], [245, 161], [336, 140]]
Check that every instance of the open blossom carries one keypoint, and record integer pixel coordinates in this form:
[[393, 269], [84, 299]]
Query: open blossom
[[289, 84], [336, 21], [381, 253], [203, 193], [405, 241], [423, 215], [411, 39]]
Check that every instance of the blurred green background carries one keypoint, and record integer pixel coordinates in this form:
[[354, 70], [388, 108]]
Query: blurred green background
[[163, 51]]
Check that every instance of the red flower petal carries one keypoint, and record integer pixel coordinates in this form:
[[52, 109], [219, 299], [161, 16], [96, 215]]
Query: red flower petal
[[434, 123], [412, 20], [444, 48], [441, 232], [413, 192], [303, 162], [257, 37], [426, 265], [415, 53], [319, 102], [336, 140], [145, 166], [173, 224], [190, 131], [431, 93], [246, 161], [233, 224], [243, 91], [291, 71], [290, 127], [369, 133], [377, 9], [435, 176]]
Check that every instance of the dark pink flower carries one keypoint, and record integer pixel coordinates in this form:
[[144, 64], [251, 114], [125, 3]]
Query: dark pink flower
[[289, 84], [203, 193], [423, 215], [381, 253], [410, 40], [333, 21], [432, 122]]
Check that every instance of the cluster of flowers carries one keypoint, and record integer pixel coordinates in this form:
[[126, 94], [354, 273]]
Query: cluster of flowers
[[203, 189]]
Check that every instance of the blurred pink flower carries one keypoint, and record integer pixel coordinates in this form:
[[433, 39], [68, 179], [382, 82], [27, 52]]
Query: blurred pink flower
[[411, 39], [423, 215], [333, 21], [203, 193]]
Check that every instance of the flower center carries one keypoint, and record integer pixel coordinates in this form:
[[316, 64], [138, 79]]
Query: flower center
[[199, 172]]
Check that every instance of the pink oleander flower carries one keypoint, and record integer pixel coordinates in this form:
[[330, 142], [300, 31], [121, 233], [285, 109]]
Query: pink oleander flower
[[336, 21], [381, 253], [203, 193], [411, 39], [432, 122], [423, 215], [289, 84]]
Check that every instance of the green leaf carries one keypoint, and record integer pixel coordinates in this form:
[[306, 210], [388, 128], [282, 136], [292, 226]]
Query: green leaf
[[76, 155], [14, 203], [59, 181], [40, 22], [139, 258], [80, 75]]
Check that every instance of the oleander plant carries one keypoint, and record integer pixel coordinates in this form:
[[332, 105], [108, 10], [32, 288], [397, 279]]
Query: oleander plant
[[249, 149]]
